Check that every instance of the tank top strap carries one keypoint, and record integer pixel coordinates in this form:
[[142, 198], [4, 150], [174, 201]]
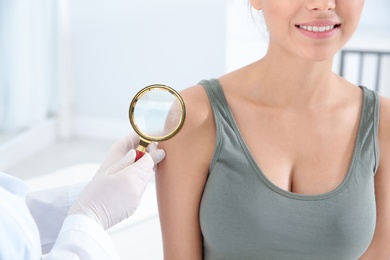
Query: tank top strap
[[369, 123], [222, 115], [224, 121], [217, 97]]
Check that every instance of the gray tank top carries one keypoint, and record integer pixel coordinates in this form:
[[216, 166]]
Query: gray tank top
[[245, 216]]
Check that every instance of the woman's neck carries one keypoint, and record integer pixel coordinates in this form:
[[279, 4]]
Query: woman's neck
[[290, 81]]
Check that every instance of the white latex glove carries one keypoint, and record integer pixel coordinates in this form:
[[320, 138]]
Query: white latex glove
[[119, 150], [116, 190]]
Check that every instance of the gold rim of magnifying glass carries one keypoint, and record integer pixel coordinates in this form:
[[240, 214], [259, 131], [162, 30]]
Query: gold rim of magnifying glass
[[143, 92]]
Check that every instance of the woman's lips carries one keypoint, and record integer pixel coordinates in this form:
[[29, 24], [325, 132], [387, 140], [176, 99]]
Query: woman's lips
[[318, 31]]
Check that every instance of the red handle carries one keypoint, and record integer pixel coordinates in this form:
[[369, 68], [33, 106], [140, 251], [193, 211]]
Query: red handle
[[138, 155]]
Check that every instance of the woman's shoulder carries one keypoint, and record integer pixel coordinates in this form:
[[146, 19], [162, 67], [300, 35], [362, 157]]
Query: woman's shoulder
[[198, 107], [199, 121], [194, 95]]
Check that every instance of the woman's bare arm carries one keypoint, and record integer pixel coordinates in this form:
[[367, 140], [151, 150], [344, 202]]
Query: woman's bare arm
[[181, 178], [379, 248]]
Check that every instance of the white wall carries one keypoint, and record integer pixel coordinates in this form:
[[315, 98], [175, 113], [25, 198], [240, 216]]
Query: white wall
[[373, 33], [107, 50], [376, 15], [122, 46], [247, 39]]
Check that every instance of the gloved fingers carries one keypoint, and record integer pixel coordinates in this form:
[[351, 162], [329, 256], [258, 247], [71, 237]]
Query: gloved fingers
[[126, 161], [127, 143], [145, 163], [131, 141], [142, 169], [119, 150], [157, 155], [152, 147]]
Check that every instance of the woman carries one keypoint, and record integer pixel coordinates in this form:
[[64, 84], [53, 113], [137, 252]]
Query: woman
[[284, 159]]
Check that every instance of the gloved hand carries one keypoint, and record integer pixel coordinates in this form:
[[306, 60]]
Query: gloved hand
[[116, 190]]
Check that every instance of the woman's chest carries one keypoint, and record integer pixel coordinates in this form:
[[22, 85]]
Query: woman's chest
[[244, 218], [301, 153]]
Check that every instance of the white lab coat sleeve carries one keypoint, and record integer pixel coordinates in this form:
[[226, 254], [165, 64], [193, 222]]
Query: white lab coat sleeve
[[19, 236], [49, 209], [82, 238]]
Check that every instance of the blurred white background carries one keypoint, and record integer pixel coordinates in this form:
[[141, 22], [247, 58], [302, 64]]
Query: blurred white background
[[68, 70]]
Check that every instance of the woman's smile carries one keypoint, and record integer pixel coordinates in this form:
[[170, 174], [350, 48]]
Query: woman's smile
[[318, 29]]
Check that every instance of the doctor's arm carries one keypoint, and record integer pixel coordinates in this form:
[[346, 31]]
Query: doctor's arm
[[50, 207], [110, 197]]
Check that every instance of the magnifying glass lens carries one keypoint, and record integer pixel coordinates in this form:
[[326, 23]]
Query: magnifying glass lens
[[156, 113]]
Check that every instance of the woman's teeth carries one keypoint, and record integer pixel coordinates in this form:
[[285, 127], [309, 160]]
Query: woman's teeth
[[316, 28]]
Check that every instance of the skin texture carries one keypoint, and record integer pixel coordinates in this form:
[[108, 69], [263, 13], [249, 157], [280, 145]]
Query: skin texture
[[293, 91]]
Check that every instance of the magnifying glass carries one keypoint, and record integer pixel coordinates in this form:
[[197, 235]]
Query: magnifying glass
[[157, 113]]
